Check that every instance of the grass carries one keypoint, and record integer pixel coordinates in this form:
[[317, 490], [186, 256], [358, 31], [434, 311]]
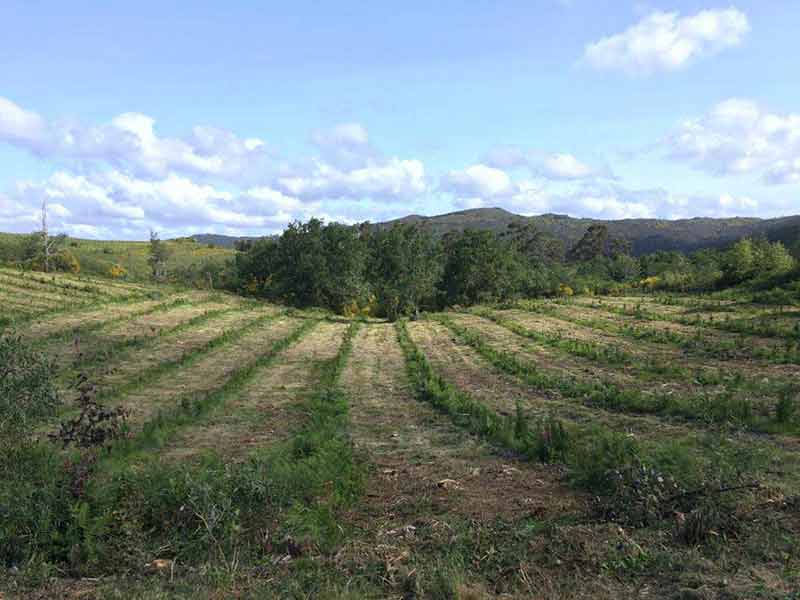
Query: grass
[[700, 342], [611, 489], [705, 408], [97, 257]]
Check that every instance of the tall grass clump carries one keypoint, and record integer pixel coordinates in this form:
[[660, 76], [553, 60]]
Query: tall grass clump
[[34, 502]]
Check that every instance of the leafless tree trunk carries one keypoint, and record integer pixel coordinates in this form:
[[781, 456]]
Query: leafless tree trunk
[[45, 237]]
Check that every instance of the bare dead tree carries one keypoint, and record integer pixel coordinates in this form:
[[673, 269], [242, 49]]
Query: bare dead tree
[[48, 243]]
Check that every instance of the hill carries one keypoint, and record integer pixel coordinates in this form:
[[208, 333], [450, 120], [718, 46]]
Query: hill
[[646, 235], [219, 240]]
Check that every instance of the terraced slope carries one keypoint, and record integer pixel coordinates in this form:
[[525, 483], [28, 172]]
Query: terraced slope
[[613, 448]]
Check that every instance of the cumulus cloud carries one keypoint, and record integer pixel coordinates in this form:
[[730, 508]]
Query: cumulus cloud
[[738, 136], [348, 166], [346, 146], [480, 186], [131, 141], [664, 41], [554, 167], [18, 125], [565, 166], [113, 201], [388, 180], [478, 181]]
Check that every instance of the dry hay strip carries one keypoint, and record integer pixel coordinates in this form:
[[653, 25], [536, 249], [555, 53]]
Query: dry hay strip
[[206, 374], [171, 351], [265, 410], [42, 285], [609, 391], [87, 349], [465, 369], [188, 406], [68, 312], [12, 312], [419, 457], [26, 301], [57, 297], [68, 320], [61, 281], [698, 326], [733, 318], [708, 346], [645, 360], [545, 358]]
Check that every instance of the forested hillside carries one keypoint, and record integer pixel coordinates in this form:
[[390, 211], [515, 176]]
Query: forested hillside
[[646, 235]]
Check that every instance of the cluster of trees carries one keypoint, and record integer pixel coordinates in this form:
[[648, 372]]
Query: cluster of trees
[[406, 268], [604, 265], [40, 252], [402, 270], [391, 272]]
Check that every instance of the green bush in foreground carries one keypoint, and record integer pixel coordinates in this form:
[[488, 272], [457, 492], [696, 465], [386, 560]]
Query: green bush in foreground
[[34, 501], [27, 390]]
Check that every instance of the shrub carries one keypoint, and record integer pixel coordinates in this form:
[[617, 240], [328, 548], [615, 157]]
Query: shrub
[[116, 271], [34, 501], [786, 408], [95, 426], [27, 388], [66, 262]]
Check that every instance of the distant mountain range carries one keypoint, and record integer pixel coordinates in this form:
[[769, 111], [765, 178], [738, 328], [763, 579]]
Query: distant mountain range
[[646, 235], [223, 241]]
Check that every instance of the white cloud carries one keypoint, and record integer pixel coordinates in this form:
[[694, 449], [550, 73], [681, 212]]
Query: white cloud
[[477, 181], [390, 180], [344, 134], [348, 168], [665, 41], [18, 125], [737, 136], [130, 141], [114, 203], [554, 167], [612, 207], [565, 166], [346, 146]]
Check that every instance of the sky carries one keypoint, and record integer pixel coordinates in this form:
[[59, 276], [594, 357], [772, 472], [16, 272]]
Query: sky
[[240, 117]]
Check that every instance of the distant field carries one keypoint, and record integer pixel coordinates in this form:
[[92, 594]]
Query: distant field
[[583, 448], [97, 257]]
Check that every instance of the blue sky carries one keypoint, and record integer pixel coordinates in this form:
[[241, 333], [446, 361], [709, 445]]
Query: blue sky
[[239, 117]]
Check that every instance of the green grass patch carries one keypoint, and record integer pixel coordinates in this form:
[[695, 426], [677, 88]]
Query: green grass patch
[[709, 409]]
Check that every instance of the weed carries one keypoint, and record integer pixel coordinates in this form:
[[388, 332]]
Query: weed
[[96, 426]]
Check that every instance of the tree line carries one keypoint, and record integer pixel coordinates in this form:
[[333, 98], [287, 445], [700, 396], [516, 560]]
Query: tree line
[[405, 269]]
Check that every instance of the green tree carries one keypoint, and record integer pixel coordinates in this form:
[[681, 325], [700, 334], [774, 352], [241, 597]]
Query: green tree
[[740, 262], [536, 245], [405, 267], [795, 250], [345, 253], [311, 264], [624, 268], [480, 267], [772, 257], [158, 256], [591, 245]]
